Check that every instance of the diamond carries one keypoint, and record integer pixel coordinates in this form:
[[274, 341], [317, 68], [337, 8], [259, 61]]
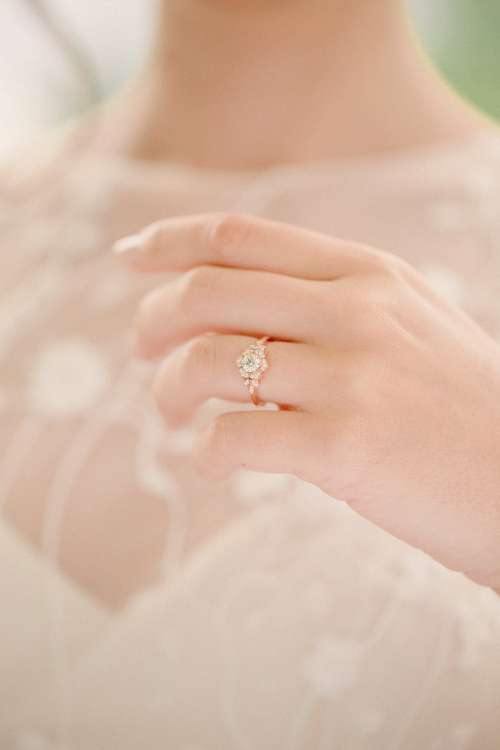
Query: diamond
[[250, 361], [251, 365]]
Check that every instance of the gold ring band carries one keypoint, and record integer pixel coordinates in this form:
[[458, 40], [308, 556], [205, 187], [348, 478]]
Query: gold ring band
[[252, 363]]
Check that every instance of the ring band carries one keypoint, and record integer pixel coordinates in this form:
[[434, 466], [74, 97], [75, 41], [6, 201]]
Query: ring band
[[251, 365]]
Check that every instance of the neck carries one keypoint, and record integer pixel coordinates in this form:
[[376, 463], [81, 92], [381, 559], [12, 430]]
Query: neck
[[252, 83]]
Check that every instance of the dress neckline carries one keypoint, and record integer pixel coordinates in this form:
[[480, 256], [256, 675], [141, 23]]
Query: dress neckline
[[394, 159]]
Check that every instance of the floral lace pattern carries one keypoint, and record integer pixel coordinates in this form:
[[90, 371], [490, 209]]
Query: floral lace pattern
[[147, 608]]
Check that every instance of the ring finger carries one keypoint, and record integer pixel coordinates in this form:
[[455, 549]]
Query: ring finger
[[206, 367]]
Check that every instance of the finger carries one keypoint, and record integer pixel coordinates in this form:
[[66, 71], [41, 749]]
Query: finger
[[243, 241], [282, 442], [226, 300], [206, 367]]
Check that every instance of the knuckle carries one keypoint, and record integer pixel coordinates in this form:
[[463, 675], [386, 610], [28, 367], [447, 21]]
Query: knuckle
[[364, 307], [382, 261], [197, 279], [367, 308], [341, 302], [392, 266], [195, 285], [199, 356], [227, 233], [382, 318]]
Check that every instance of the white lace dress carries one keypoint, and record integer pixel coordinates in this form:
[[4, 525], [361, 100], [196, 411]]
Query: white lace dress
[[144, 608]]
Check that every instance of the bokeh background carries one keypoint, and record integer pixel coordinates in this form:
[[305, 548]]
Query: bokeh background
[[44, 80]]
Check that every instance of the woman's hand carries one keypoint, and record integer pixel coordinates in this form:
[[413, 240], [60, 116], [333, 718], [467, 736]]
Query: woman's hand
[[390, 395]]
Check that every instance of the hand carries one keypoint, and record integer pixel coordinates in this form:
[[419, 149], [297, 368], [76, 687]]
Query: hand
[[389, 395]]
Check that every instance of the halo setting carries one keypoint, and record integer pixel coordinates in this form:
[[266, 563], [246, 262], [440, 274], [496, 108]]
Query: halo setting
[[252, 364]]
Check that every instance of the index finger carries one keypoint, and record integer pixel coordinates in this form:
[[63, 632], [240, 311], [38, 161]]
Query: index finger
[[242, 241]]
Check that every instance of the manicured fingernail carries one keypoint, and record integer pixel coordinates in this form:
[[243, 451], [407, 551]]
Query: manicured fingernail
[[128, 246]]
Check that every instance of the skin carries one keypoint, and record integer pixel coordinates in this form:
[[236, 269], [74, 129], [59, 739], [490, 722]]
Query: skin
[[388, 396], [245, 84]]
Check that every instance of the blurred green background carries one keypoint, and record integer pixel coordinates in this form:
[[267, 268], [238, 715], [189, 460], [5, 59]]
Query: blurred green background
[[463, 38]]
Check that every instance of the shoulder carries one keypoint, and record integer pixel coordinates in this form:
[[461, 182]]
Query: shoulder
[[49, 191], [26, 170]]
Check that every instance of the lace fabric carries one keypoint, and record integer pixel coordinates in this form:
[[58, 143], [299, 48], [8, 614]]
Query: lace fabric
[[145, 607]]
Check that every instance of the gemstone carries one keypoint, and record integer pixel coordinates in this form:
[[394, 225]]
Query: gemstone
[[250, 362]]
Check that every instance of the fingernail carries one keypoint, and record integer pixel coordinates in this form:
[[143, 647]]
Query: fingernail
[[128, 246]]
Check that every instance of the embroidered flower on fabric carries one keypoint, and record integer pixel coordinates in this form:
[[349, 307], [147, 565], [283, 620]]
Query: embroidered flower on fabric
[[37, 295], [475, 207], [157, 441], [333, 665], [67, 378]]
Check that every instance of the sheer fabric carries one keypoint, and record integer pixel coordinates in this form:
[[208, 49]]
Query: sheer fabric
[[145, 607]]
